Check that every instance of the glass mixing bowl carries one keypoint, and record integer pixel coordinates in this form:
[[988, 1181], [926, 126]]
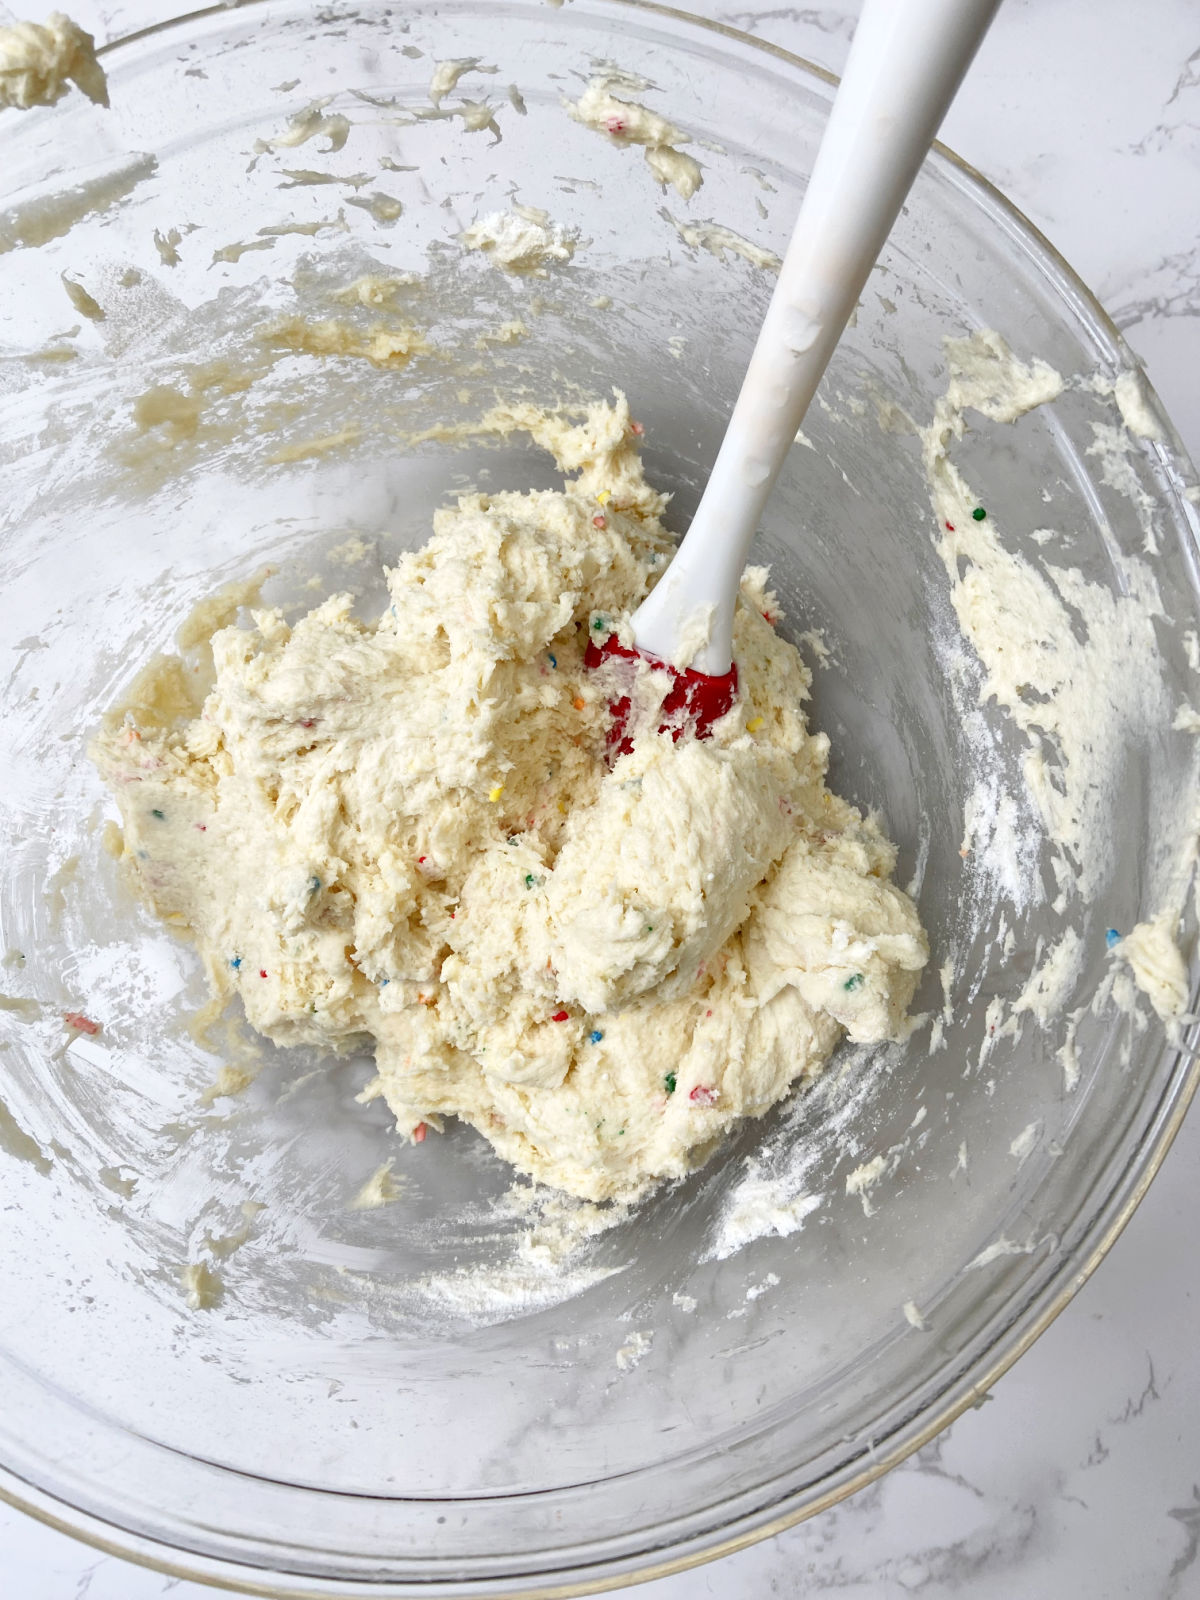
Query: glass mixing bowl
[[437, 1394]]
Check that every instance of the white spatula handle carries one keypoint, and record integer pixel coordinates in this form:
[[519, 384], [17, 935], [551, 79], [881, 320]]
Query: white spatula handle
[[907, 61]]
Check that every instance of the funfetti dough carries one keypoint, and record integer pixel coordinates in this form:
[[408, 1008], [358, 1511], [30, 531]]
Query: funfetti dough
[[38, 62], [406, 831]]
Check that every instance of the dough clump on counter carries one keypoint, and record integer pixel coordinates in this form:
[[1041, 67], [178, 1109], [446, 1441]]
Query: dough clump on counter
[[38, 60], [406, 832]]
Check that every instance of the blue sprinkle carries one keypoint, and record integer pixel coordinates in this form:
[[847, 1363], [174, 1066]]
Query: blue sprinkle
[[1112, 937], [595, 1036], [313, 885], [236, 962], [383, 982], [554, 661]]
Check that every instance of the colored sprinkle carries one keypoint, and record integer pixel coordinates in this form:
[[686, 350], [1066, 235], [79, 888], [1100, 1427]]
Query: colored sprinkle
[[1112, 937], [702, 1095], [82, 1024], [599, 625], [604, 497], [755, 724], [854, 981], [979, 513], [202, 827], [560, 1016], [235, 962], [161, 815], [636, 427], [579, 702], [419, 1133], [261, 972], [614, 125], [595, 1036], [599, 521], [309, 722], [670, 1081], [383, 983], [949, 527], [495, 793], [530, 880], [313, 885], [554, 661]]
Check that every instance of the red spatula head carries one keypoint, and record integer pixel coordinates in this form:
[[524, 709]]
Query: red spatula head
[[695, 700]]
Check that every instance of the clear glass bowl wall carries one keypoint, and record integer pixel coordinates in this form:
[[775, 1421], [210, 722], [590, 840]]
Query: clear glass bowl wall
[[347, 1416]]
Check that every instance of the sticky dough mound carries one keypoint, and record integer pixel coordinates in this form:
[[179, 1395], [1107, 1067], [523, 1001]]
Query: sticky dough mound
[[405, 831]]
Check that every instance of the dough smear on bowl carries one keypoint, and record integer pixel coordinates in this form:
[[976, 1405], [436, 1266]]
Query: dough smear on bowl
[[406, 832]]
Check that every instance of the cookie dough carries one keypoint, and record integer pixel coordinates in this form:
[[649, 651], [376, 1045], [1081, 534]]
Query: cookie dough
[[405, 832], [39, 60]]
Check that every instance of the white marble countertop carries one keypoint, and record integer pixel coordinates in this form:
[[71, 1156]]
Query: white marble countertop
[[1081, 1478]]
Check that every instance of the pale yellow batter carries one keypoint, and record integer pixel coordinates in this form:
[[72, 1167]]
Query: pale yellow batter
[[406, 832], [38, 60]]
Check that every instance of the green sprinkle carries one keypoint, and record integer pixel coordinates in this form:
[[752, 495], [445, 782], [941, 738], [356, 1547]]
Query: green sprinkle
[[979, 513], [854, 981], [599, 625], [161, 815], [529, 880], [670, 1081]]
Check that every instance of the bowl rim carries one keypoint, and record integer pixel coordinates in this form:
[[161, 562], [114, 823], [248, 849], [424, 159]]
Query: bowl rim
[[1181, 1084]]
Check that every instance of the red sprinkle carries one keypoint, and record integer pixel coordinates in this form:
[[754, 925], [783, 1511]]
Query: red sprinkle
[[636, 427], [77, 1020], [703, 1096], [560, 1016], [309, 722], [615, 125], [202, 827], [949, 527], [261, 973], [599, 522], [420, 859], [419, 1133]]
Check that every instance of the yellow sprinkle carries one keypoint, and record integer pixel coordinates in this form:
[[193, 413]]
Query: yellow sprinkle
[[561, 807], [754, 724], [494, 794], [604, 497]]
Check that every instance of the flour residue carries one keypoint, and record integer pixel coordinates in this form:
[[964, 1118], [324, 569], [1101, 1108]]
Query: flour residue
[[762, 1205], [1071, 663], [632, 1351]]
